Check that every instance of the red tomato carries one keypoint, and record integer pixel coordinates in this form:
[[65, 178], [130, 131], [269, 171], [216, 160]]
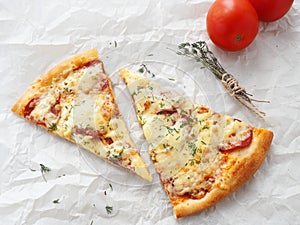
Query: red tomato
[[271, 10], [232, 24]]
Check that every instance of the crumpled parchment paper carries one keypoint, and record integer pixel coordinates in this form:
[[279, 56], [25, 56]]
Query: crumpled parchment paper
[[36, 35]]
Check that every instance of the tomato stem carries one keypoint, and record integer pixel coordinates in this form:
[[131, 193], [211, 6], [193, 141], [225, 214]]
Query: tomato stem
[[238, 37]]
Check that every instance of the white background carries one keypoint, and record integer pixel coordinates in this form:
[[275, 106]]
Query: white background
[[36, 35]]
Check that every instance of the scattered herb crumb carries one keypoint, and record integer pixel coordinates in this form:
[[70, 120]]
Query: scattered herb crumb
[[193, 147], [161, 104], [205, 127], [68, 91], [171, 129], [44, 169], [150, 54], [92, 222], [104, 192], [53, 127], [56, 201], [109, 209], [172, 79], [110, 185], [115, 43], [141, 70], [144, 68]]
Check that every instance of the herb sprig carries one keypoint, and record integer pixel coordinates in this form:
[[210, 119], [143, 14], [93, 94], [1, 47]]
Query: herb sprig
[[109, 209], [143, 68], [201, 53], [52, 127], [44, 169]]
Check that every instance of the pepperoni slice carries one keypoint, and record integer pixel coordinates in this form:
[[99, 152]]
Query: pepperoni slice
[[88, 132], [236, 142], [166, 111], [56, 108], [88, 64], [94, 134], [30, 107]]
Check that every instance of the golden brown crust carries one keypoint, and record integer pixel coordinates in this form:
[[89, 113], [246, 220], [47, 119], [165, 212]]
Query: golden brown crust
[[36, 87], [236, 167], [60, 72], [240, 167]]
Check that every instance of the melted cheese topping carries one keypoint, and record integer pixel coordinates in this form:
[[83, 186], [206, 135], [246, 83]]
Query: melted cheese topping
[[184, 137], [81, 107]]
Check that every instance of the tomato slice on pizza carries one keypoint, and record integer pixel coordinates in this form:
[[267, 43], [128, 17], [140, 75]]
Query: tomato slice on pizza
[[201, 156], [75, 101]]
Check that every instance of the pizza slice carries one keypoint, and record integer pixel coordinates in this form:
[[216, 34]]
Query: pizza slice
[[201, 156], [75, 101]]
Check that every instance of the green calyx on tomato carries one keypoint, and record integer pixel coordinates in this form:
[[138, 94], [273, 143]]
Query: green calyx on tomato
[[232, 24]]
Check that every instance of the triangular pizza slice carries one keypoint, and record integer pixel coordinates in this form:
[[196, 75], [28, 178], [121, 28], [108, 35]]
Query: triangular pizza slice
[[201, 156], [75, 101]]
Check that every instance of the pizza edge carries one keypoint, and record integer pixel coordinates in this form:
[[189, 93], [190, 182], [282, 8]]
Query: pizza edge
[[238, 174], [240, 169], [45, 80]]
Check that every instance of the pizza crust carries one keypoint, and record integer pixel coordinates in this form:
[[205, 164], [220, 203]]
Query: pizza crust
[[36, 88], [233, 167], [246, 163], [62, 71]]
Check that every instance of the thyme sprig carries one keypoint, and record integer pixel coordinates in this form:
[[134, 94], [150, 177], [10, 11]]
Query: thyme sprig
[[201, 53], [44, 169], [143, 68]]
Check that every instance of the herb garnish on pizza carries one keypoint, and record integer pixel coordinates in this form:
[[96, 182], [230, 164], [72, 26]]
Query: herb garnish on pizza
[[201, 156], [75, 101]]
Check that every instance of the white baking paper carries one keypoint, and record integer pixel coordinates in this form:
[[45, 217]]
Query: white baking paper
[[36, 35]]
